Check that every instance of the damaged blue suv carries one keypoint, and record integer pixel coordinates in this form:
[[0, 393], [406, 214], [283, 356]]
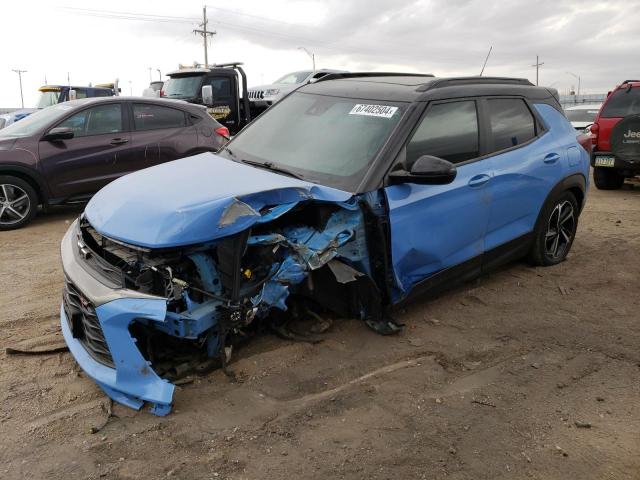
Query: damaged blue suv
[[351, 195]]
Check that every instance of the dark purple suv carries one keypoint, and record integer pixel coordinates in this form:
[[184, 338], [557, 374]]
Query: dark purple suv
[[67, 152]]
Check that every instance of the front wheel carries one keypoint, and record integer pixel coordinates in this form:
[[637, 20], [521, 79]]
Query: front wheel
[[555, 230], [18, 202], [607, 178]]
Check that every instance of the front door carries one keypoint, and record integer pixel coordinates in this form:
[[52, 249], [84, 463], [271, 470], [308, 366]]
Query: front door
[[225, 107], [437, 227], [97, 154]]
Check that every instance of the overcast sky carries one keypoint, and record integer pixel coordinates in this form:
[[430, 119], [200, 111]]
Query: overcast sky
[[596, 40]]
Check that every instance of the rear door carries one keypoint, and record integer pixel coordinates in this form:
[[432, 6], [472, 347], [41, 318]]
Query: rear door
[[161, 133], [226, 104], [436, 227], [97, 154], [527, 162]]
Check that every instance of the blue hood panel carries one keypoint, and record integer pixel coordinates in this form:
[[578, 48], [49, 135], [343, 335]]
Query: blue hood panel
[[195, 200]]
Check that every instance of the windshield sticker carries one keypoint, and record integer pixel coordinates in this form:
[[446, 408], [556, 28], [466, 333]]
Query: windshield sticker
[[384, 111]]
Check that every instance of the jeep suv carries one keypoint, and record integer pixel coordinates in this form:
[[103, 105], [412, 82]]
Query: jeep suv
[[384, 187], [616, 137]]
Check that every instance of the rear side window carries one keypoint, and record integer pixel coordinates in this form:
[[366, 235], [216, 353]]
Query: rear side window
[[622, 103], [448, 131], [154, 117], [511, 123]]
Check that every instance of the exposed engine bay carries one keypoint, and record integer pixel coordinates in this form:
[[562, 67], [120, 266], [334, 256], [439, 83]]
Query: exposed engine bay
[[302, 259]]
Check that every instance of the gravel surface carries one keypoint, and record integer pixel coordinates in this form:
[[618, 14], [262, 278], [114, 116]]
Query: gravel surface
[[525, 373]]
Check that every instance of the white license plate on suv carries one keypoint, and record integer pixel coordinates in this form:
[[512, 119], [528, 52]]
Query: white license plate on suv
[[605, 161]]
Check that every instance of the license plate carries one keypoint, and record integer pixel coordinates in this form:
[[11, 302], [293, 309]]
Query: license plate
[[605, 161]]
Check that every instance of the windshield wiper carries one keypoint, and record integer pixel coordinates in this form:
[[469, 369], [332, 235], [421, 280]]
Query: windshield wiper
[[272, 167], [231, 154]]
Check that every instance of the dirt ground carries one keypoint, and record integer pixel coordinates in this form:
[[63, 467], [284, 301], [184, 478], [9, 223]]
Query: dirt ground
[[526, 373]]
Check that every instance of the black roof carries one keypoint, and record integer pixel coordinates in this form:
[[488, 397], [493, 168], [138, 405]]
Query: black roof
[[410, 87], [194, 107]]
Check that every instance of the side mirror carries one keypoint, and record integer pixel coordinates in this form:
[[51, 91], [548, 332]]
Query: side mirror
[[426, 170], [73, 94], [59, 133], [207, 95]]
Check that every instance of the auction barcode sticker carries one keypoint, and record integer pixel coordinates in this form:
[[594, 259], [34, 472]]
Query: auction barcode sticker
[[384, 111]]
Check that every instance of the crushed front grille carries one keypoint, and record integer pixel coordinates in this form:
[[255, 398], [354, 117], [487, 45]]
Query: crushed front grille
[[84, 324]]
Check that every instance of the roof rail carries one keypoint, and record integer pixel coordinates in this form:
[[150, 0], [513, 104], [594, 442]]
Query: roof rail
[[455, 81], [230, 64], [629, 81], [337, 76]]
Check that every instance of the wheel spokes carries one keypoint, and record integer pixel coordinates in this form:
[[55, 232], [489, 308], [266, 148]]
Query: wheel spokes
[[559, 230], [14, 204]]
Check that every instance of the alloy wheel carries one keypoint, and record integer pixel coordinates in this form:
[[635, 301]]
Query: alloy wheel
[[14, 204], [560, 230]]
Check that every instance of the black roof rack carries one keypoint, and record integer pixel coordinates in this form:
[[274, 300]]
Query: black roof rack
[[336, 76], [230, 64], [456, 81], [629, 81]]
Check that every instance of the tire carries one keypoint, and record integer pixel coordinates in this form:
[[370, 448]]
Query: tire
[[606, 178], [18, 202], [555, 230]]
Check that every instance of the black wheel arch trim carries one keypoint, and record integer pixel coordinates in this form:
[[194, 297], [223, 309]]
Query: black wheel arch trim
[[574, 182], [29, 174]]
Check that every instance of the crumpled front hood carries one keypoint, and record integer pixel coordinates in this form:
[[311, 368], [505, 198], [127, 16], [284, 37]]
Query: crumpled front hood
[[195, 200]]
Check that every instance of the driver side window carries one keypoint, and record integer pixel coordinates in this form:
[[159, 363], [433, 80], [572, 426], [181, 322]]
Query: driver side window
[[99, 120], [448, 131]]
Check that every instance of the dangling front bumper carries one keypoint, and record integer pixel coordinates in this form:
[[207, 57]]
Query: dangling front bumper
[[95, 321]]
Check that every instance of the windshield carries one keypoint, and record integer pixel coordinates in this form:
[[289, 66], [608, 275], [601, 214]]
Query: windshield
[[295, 77], [48, 99], [622, 103], [34, 122], [183, 87], [582, 115], [328, 140]]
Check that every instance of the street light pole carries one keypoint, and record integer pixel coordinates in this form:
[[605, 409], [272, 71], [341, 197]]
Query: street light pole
[[20, 72], [578, 78], [311, 54], [159, 74], [150, 79]]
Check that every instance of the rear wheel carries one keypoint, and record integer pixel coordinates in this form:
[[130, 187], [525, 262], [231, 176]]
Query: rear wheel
[[18, 202], [607, 178], [555, 230]]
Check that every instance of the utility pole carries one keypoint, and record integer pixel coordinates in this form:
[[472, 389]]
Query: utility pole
[[20, 72], [205, 34], [537, 65]]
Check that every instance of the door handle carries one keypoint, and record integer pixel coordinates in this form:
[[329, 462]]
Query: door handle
[[551, 158], [119, 141], [479, 180]]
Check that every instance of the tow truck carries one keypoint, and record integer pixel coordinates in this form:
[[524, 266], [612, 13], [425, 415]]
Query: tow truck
[[221, 88]]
